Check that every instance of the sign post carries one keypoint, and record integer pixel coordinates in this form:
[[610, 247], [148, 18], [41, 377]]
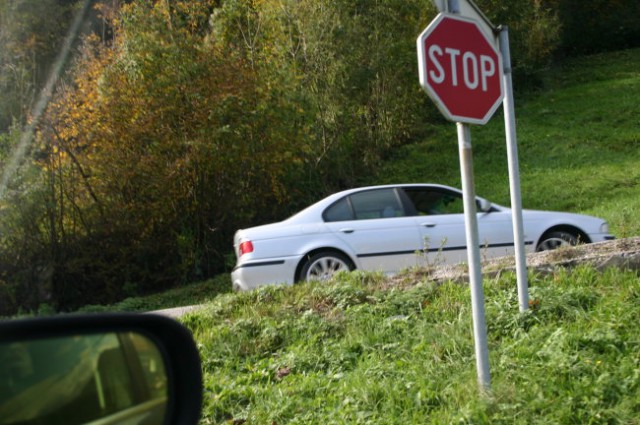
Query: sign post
[[514, 175], [473, 256], [461, 70]]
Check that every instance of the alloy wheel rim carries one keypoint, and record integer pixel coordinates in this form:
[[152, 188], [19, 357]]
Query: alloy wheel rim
[[325, 267], [553, 243]]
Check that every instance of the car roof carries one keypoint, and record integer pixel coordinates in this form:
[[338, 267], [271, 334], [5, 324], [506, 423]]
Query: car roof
[[340, 194], [315, 210]]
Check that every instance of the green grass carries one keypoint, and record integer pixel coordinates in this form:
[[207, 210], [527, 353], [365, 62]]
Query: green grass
[[363, 350]]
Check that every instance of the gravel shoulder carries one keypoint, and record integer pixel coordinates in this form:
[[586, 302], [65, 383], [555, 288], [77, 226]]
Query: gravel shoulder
[[177, 311], [621, 253]]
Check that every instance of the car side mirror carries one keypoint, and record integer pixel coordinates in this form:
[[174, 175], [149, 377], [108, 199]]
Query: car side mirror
[[483, 205], [99, 369]]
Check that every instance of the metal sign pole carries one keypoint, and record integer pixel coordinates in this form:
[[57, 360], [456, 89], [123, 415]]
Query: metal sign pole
[[473, 245], [473, 254], [514, 173]]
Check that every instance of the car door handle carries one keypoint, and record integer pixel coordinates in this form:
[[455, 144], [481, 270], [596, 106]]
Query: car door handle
[[347, 230], [428, 224]]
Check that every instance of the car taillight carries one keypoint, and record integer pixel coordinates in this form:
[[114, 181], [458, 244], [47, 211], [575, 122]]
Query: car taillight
[[246, 247]]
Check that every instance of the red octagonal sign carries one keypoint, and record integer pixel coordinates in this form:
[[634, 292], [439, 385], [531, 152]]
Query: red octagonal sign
[[460, 69]]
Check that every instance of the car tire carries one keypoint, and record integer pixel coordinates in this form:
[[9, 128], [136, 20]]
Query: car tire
[[322, 266], [557, 239]]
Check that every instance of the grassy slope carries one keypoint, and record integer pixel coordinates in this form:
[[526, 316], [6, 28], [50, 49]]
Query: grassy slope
[[361, 350], [366, 350]]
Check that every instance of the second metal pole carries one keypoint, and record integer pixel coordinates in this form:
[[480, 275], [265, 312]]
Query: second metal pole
[[514, 174]]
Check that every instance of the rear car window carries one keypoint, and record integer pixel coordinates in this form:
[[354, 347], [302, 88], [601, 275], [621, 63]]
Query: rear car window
[[371, 204]]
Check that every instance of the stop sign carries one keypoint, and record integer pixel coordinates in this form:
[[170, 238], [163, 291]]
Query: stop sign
[[460, 69]]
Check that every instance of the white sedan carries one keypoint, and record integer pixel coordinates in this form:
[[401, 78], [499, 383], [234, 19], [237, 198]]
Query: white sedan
[[390, 228]]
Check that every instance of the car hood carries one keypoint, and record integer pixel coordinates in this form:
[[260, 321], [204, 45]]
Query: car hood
[[563, 216], [587, 224]]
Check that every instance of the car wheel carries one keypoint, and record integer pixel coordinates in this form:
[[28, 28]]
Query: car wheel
[[557, 239], [323, 265]]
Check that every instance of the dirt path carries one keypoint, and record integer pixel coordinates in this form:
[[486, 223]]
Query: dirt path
[[177, 311]]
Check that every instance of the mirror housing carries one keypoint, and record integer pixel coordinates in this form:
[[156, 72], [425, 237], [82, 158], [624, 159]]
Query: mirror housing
[[483, 205], [180, 398]]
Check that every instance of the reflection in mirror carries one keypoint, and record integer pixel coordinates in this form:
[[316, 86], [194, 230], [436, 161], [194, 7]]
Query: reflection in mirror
[[97, 379]]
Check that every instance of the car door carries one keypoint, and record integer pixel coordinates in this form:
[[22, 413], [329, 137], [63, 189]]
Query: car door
[[439, 215], [375, 225]]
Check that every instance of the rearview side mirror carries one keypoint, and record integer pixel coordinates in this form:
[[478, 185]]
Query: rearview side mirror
[[483, 205], [99, 369]]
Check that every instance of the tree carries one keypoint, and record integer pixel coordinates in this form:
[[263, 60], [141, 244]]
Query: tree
[[30, 35]]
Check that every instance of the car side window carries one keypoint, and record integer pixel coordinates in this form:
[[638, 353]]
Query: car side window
[[434, 202], [380, 203], [339, 211], [367, 205]]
